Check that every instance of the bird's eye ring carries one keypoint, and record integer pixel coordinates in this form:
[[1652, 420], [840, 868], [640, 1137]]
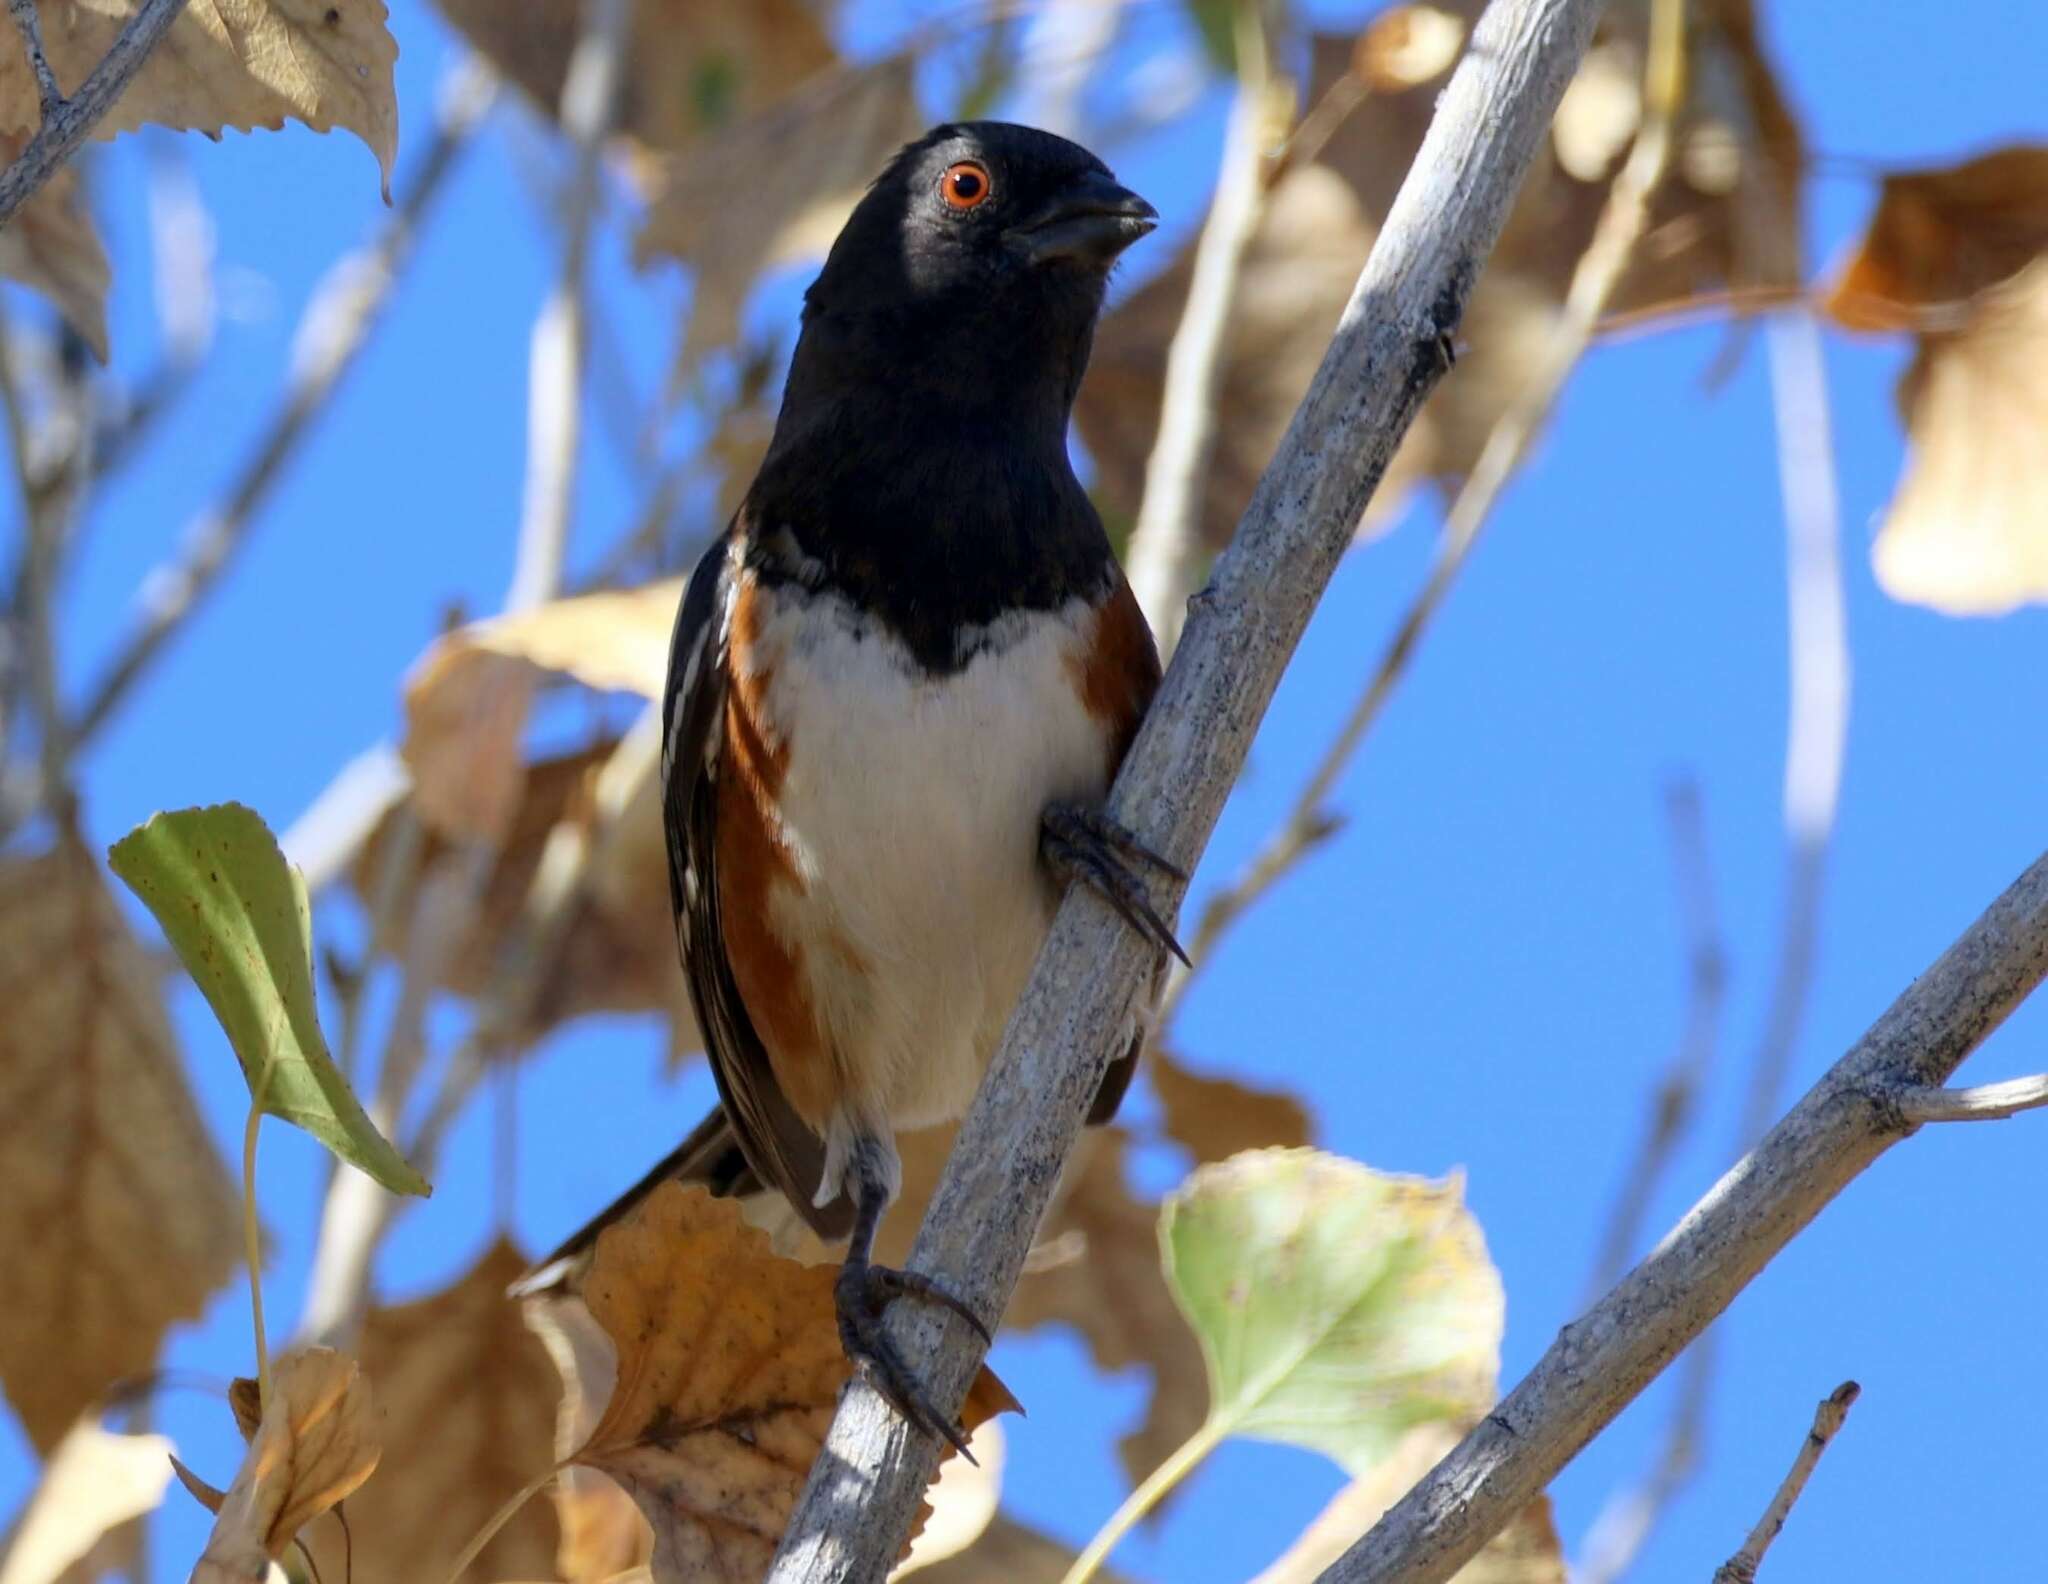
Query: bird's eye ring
[[966, 185]]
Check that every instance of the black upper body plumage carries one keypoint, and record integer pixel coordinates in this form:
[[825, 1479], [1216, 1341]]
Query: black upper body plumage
[[919, 464]]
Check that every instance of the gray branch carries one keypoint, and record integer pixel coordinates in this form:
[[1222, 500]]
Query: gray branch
[[67, 121], [1387, 355], [1601, 1361]]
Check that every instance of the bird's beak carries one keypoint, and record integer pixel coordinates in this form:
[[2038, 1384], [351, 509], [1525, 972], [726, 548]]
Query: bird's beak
[[1090, 222]]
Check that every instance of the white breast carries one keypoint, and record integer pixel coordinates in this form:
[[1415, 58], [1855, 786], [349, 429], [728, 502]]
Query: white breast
[[911, 809]]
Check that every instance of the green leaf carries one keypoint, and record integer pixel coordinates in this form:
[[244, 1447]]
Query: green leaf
[[237, 915], [1216, 22], [1337, 1307]]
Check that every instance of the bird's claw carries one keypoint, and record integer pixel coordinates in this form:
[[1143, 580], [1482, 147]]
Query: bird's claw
[[1083, 843], [862, 1296]]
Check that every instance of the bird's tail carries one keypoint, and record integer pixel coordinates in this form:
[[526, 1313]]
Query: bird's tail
[[710, 1156]]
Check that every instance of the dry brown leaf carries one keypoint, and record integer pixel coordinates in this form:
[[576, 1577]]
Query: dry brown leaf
[[774, 188], [315, 1445], [603, 1532], [1406, 46], [118, 1217], [466, 1409], [466, 698], [691, 65], [1960, 255], [1097, 1269], [1728, 218], [51, 245], [730, 1368], [619, 952], [1013, 1553], [228, 63], [1940, 237], [1967, 530], [1215, 1118], [92, 1485], [1526, 1552], [963, 1502]]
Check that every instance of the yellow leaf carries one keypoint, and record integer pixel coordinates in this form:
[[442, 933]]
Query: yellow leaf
[[466, 698], [775, 188], [94, 1482], [227, 63], [1960, 256], [730, 1368], [466, 1412], [315, 1445], [50, 244], [118, 1217]]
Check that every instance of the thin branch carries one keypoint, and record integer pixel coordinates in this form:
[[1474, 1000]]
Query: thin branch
[[1599, 269], [1827, 1419], [30, 27], [560, 333], [1601, 1361], [1386, 356], [332, 332], [67, 121], [1992, 1102], [1818, 722], [1677, 1092], [1166, 549]]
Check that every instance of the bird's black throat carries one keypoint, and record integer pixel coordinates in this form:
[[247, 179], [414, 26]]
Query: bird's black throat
[[925, 477]]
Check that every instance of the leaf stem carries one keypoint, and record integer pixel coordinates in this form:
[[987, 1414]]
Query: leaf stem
[[500, 1518], [1142, 1500], [252, 1245]]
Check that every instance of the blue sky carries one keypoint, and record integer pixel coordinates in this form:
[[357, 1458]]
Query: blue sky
[[1483, 971]]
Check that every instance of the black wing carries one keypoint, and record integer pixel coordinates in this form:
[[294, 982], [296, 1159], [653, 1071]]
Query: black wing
[[780, 1148]]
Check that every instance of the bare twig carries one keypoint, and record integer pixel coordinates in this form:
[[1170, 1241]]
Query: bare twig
[[1818, 722], [48, 496], [1386, 356], [1593, 281], [1166, 549], [1602, 1360], [560, 335], [1677, 1092], [30, 26], [1827, 1419], [67, 121], [1991, 1102], [333, 330]]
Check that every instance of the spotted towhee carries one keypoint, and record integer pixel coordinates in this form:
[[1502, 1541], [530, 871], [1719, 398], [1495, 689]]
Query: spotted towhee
[[900, 685]]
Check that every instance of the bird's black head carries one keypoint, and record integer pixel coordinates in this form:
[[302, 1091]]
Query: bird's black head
[[971, 271]]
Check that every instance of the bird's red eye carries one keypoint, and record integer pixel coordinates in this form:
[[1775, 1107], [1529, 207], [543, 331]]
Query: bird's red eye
[[966, 185]]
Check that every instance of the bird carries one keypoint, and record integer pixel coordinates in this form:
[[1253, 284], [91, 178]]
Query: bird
[[900, 685]]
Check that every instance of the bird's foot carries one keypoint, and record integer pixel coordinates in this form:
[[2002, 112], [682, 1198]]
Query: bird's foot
[[862, 1295], [1083, 843]]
